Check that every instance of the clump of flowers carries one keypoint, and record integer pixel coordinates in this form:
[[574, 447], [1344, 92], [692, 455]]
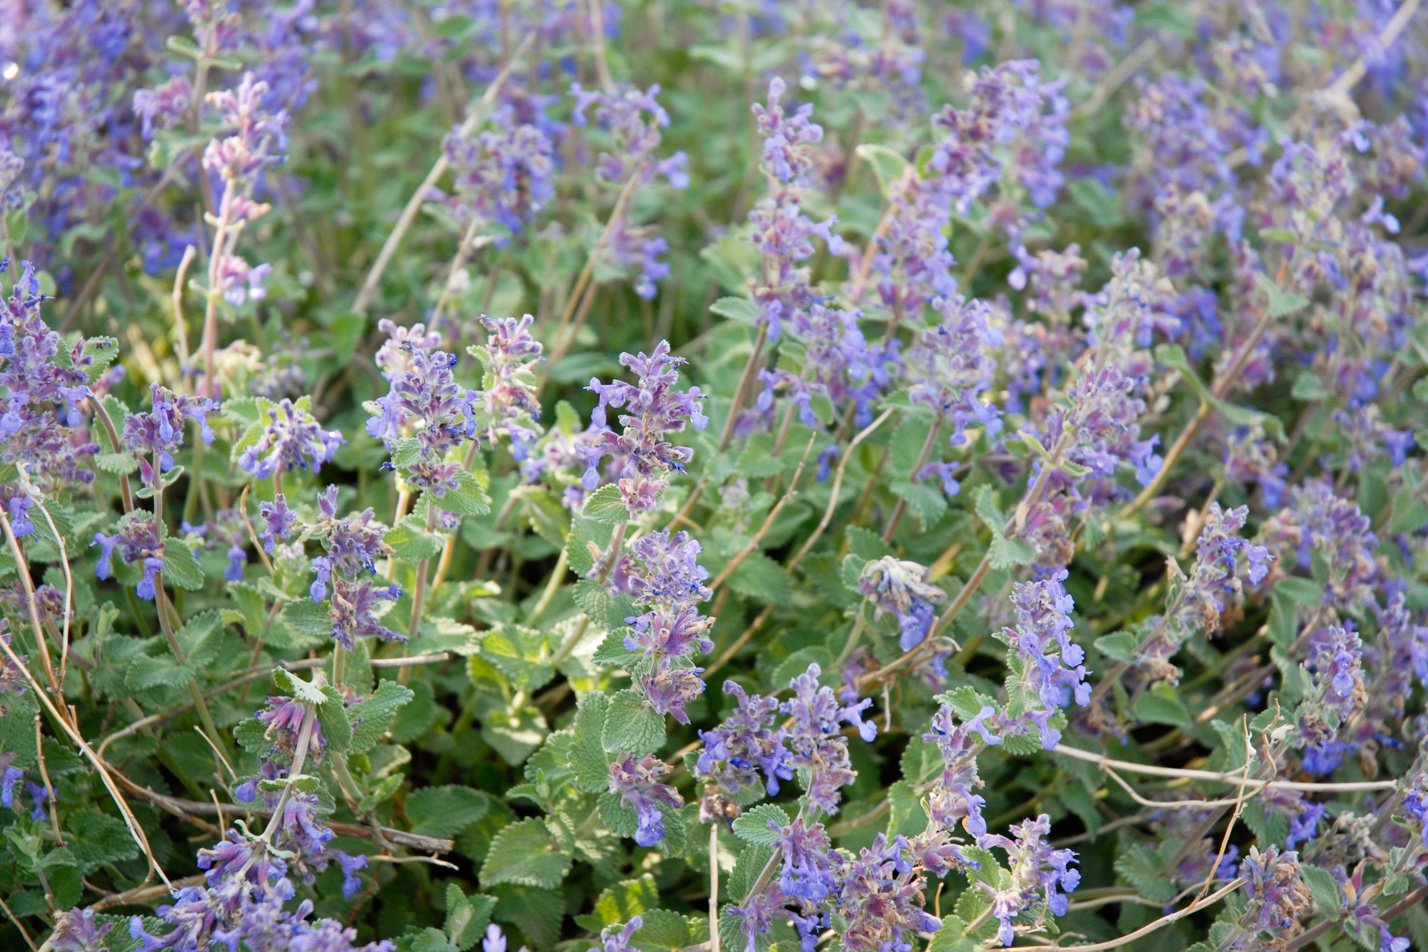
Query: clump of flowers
[[641, 456]]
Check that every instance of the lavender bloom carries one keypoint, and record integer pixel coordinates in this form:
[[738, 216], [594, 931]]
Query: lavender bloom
[[12, 678], [354, 611], [1415, 802], [1048, 664], [509, 387], [662, 570], [617, 938], [1276, 890], [807, 857], [160, 431], [350, 864], [1317, 520], [815, 740], [880, 894], [1335, 657], [503, 174], [953, 798], [283, 718], [900, 588], [1041, 876], [425, 401], [636, 781], [279, 522], [79, 931], [10, 775], [633, 120], [786, 155], [839, 365], [641, 456], [663, 576], [40, 398], [950, 366], [164, 105], [760, 911], [1216, 580], [255, 141], [344, 577], [748, 742], [291, 439], [137, 542]]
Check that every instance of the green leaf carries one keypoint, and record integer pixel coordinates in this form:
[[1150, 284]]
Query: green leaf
[[927, 502], [180, 567], [1119, 646], [605, 506], [445, 811], [469, 498], [984, 503], [950, 937], [631, 726], [332, 715], [737, 309], [623, 901], [308, 618], [406, 451], [761, 578], [1301, 590], [515, 735], [300, 689], [1282, 303], [1142, 868], [430, 940], [527, 854], [1006, 553], [753, 826], [587, 753], [1309, 388], [1324, 888], [466, 916], [887, 165], [371, 718], [410, 542], [604, 610], [119, 464], [1161, 705]]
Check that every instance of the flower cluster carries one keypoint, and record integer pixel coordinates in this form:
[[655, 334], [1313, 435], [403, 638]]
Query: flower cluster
[[641, 455], [901, 589], [40, 397], [503, 174], [289, 439], [1048, 665], [255, 140], [1041, 875], [159, 432], [426, 407], [509, 387], [346, 575], [636, 782], [748, 743], [663, 575], [139, 541]]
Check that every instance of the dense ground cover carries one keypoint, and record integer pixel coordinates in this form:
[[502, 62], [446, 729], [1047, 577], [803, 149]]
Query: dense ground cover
[[729, 475]]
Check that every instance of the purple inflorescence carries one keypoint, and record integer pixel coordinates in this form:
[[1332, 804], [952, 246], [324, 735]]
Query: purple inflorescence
[[636, 781], [1049, 666], [424, 404], [641, 456], [290, 439], [900, 588]]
